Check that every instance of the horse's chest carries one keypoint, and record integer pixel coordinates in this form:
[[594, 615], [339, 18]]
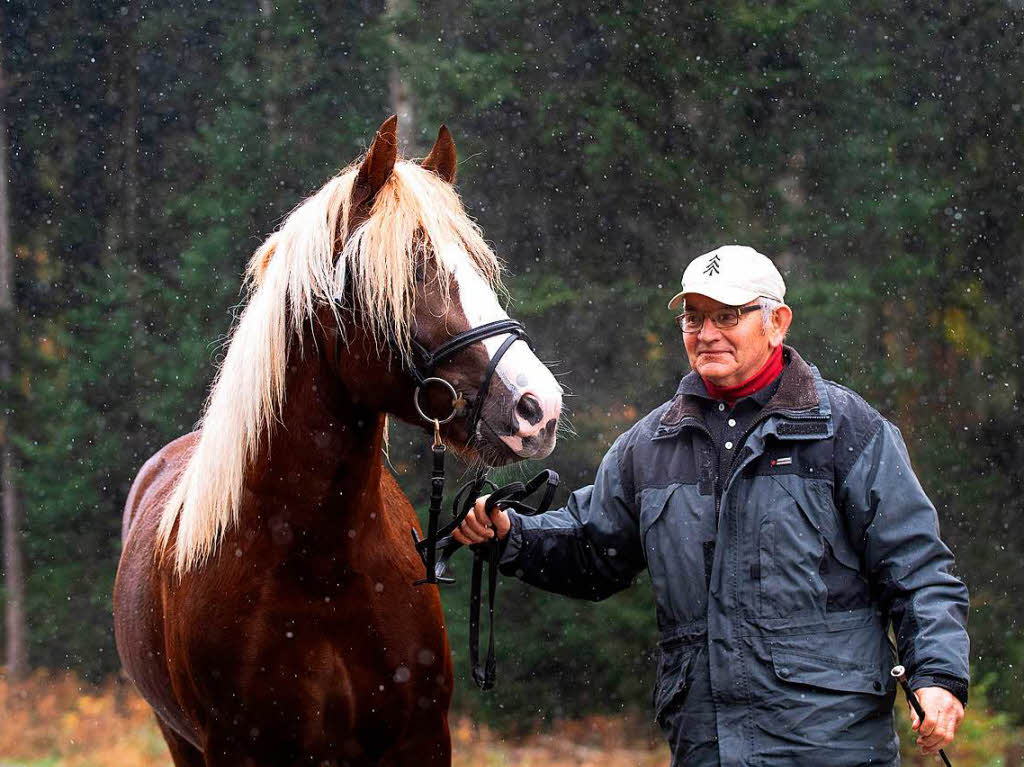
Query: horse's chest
[[317, 665]]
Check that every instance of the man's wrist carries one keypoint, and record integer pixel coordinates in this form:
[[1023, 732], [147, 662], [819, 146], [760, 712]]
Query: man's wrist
[[958, 687], [512, 542]]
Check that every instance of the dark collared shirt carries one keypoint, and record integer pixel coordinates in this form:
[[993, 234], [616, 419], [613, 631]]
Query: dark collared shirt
[[728, 425]]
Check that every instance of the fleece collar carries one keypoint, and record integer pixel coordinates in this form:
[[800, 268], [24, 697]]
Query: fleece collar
[[801, 394]]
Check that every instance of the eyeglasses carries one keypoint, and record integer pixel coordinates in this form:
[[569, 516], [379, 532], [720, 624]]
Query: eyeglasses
[[692, 322]]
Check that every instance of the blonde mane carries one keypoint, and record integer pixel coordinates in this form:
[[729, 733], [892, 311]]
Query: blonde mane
[[289, 276]]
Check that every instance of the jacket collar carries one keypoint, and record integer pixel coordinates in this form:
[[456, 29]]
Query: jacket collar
[[801, 395]]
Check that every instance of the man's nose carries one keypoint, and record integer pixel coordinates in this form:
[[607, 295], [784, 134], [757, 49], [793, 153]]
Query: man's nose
[[707, 330]]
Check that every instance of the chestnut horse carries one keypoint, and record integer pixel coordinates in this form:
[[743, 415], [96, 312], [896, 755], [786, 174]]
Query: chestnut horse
[[264, 604]]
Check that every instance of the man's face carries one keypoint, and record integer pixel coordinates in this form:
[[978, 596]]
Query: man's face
[[730, 356]]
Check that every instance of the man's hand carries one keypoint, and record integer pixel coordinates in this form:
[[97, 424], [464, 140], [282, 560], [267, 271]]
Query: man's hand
[[477, 528], [943, 714]]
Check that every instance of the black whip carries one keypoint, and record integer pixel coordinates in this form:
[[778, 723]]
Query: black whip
[[900, 674]]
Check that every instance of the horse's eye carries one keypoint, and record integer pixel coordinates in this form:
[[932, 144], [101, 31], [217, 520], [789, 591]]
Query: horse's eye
[[421, 274]]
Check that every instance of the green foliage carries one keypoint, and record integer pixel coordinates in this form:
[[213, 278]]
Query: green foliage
[[875, 151]]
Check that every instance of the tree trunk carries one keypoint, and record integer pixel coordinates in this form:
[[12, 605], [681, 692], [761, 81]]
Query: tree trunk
[[14, 569], [401, 98], [14, 574], [271, 73], [123, 193]]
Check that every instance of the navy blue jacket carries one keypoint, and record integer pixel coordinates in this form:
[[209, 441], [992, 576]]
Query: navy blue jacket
[[775, 596]]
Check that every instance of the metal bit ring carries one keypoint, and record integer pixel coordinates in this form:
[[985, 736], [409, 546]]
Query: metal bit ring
[[419, 407]]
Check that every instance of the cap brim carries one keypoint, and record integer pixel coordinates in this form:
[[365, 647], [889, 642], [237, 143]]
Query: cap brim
[[722, 294]]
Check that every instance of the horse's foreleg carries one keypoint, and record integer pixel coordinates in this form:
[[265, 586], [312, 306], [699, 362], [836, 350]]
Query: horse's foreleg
[[183, 753]]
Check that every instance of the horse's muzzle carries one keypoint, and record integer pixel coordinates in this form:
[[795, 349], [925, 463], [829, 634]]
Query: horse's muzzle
[[533, 423]]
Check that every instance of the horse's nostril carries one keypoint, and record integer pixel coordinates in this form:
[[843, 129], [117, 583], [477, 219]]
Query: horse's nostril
[[529, 409]]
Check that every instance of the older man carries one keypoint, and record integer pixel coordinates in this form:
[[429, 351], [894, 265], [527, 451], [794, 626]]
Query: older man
[[784, 531]]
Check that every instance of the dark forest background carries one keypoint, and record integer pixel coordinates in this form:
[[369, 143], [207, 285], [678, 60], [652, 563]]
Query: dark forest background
[[875, 150]]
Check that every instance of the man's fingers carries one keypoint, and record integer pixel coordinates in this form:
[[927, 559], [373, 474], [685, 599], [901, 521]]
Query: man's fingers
[[943, 714], [478, 523], [476, 527], [932, 744], [473, 530], [927, 726], [941, 737], [468, 537]]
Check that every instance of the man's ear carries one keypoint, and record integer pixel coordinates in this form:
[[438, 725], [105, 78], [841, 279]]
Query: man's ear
[[378, 165], [782, 317]]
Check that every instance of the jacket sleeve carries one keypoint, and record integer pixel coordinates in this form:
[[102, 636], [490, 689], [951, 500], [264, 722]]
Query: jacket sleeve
[[909, 566], [589, 549]]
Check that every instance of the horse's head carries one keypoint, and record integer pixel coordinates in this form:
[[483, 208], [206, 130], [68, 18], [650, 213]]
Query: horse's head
[[420, 309]]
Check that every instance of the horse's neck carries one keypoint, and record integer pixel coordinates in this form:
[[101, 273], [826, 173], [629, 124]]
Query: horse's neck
[[322, 462]]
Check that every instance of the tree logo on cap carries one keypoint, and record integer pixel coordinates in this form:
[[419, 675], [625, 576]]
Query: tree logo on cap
[[712, 268]]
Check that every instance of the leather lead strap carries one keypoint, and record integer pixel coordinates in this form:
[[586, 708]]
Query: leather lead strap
[[436, 498], [511, 496], [484, 675], [429, 546]]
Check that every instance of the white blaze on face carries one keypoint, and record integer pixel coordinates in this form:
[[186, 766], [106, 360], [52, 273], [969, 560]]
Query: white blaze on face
[[519, 369]]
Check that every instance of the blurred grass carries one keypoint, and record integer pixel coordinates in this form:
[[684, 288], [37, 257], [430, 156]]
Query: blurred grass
[[56, 720]]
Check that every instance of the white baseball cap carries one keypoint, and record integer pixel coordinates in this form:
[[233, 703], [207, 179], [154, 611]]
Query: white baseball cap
[[732, 274]]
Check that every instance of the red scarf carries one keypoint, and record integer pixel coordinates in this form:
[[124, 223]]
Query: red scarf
[[768, 373]]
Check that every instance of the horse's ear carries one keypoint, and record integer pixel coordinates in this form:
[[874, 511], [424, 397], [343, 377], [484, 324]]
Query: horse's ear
[[442, 157], [380, 161]]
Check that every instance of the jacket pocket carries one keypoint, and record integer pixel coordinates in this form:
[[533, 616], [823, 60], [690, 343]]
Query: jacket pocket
[[673, 682], [797, 666], [827, 690], [652, 505], [675, 524], [789, 551]]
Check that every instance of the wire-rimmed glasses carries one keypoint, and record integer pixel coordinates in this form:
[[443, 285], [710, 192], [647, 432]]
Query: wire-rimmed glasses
[[727, 317]]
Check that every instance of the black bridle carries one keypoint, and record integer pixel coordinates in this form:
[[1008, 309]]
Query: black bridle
[[422, 368], [439, 544], [425, 364]]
